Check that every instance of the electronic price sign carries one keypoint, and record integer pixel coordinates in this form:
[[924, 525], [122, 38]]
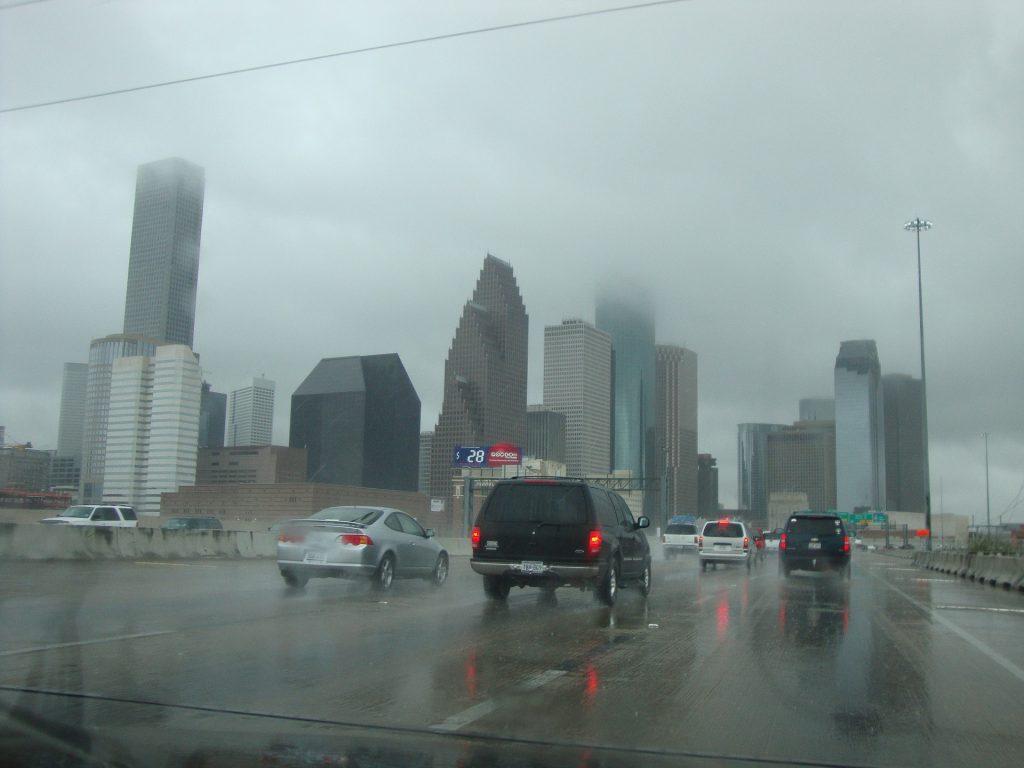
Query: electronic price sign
[[486, 456]]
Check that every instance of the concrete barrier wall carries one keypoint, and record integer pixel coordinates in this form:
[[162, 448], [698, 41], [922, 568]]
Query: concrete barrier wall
[[32, 541], [1005, 571]]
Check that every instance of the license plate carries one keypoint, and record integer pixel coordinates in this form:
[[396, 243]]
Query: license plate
[[314, 557], [528, 566], [723, 546], [814, 545]]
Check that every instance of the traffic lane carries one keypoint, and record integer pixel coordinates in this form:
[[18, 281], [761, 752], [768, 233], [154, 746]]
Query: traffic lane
[[703, 651], [809, 668]]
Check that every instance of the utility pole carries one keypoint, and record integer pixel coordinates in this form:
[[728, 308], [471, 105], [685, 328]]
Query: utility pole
[[988, 508], [916, 226]]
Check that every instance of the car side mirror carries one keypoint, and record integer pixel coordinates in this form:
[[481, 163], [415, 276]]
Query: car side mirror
[[431, 533], [643, 522]]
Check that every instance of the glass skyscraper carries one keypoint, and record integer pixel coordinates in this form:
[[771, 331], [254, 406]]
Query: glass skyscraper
[[752, 468], [631, 328], [904, 438], [250, 414], [163, 266], [860, 428]]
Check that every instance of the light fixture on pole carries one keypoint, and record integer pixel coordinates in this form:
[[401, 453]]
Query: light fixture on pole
[[916, 226]]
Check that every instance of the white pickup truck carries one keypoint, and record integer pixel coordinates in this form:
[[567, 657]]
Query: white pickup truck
[[96, 515], [679, 538]]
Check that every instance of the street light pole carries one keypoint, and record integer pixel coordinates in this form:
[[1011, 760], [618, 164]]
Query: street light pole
[[988, 508], [916, 226]]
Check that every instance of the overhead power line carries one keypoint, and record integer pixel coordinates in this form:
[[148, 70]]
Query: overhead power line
[[339, 54]]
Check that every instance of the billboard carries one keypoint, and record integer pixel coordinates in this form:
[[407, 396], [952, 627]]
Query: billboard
[[486, 456]]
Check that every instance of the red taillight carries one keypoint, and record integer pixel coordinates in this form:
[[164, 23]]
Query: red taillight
[[700, 542], [594, 543], [746, 542], [474, 538], [846, 543], [355, 539], [296, 538], [724, 521], [782, 541]]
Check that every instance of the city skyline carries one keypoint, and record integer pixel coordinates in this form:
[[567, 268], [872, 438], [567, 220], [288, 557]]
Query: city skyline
[[366, 179]]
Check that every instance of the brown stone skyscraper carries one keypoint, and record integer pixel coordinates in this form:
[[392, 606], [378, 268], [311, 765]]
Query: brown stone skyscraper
[[484, 377]]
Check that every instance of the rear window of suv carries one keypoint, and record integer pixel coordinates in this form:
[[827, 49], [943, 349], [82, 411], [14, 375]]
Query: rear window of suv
[[819, 526], [723, 530], [558, 504], [681, 529]]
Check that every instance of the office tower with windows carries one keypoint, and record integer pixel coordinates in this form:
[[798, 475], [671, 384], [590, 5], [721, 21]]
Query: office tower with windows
[[707, 486], [484, 375], [578, 385], [802, 459], [163, 266], [213, 410], [904, 438], [102, 354], [153, 427], [545, 434], [676, 427], [426, 441], [752, 468], [359, 420], [860, 428], [631, 328], [818, 409], [250, 416]]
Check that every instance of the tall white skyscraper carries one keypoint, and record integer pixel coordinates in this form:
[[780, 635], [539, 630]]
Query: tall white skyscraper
[[860, 427], [152, 427], [251, 414], [102, 354], [578, 384]]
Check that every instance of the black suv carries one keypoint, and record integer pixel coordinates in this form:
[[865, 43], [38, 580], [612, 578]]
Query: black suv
[[814, 541], [548, 533]]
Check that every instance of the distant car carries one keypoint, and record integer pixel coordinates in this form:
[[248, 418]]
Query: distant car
[[679, 539], [548, 533], [725, 541], [96, 515], [814, 541], [771, 542], [196, 523], [378, 543], [872, 548]]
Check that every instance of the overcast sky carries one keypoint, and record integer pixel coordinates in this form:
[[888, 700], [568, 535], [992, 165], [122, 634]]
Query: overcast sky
[[751, 164]]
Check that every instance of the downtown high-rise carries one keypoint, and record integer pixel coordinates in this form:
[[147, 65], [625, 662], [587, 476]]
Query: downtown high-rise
[[904, 440], [630, 325], [484, 376], [358, 419], [752, 468], [676, 427], [250, 414], [163, 265], [860, 428], [152, 427], [578, 385]]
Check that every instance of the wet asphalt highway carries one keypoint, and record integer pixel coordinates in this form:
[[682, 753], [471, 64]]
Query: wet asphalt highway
[[899, 666]]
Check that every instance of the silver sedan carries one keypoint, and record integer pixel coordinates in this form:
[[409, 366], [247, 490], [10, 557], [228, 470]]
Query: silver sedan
[[378, 543]]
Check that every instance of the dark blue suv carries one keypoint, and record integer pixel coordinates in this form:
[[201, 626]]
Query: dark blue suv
[[814, 541]]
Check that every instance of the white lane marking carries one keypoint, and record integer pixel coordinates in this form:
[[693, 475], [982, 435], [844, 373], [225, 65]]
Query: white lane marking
[[466, 716], [977, 608], [486, 707], [978, 645], [175, 565], [114, 639]]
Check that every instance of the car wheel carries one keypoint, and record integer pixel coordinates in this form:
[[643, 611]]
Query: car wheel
[[609, 587], [645, 580], [385, 573], [440, 573], [295, 580], [496, 587]]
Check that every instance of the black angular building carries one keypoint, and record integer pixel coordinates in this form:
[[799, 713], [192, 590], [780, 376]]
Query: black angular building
[[359, 420]]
